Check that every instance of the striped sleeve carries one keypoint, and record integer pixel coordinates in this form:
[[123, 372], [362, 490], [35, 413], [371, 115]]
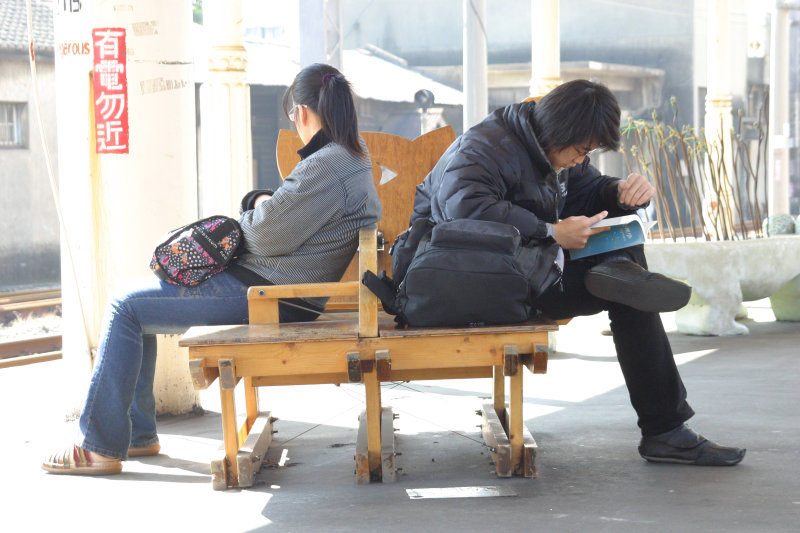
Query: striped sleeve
[[305, 203]]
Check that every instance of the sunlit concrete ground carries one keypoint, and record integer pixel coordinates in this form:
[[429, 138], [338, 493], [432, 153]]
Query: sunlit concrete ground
[[744, 389]]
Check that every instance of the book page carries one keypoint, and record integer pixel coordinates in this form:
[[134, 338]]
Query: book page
[[627, 219]]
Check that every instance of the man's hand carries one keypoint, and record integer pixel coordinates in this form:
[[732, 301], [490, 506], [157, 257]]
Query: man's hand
[[573, 232], [635, 191]]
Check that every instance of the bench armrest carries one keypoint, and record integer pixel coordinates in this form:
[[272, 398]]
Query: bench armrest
[[303, 290], [262, 301]]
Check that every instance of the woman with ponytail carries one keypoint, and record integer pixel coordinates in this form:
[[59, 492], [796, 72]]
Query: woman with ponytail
[[306, 231], [320, 97]]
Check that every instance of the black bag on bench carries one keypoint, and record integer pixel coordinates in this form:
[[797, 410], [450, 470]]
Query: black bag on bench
[[465, 273]]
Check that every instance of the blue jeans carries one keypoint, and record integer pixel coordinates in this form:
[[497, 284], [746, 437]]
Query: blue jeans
[[120, 407]]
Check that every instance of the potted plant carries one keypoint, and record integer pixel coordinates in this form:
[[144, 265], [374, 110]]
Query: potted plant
[[709, 206]]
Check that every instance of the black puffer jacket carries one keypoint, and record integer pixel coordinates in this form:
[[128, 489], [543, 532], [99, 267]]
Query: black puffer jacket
[[498, 171]]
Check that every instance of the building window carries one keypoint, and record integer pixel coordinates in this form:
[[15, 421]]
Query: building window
[[13, 125]]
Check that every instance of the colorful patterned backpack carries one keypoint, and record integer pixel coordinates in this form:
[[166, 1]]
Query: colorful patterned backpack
[[197, 251]]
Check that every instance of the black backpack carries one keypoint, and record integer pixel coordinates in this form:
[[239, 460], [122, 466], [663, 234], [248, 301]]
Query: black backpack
[[464, 273]]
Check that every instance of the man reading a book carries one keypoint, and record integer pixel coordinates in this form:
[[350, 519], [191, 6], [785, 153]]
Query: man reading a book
[[528, 165]]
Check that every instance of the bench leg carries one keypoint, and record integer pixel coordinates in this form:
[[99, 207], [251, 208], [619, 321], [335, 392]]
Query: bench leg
[[372, 388], [511, 445], [251, 402], [523, 447], [499, 395], [245, 446], [388, 468], [374, 451], [226, 472]]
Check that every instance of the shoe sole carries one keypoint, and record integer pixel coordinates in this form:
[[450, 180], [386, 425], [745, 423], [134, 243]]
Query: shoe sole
[[145, 451], [657, 295], [674, 460], [668, 460], [96, 469]]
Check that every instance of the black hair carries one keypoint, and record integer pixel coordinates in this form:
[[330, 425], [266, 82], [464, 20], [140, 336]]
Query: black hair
[[325, 91], [577, 113]]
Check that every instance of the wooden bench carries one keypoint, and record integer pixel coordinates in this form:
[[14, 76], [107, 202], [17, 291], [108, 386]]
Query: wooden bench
[[360, 344]]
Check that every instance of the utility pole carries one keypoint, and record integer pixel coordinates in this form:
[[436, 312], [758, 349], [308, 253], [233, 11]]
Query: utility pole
[[476, 63], [321, 33]]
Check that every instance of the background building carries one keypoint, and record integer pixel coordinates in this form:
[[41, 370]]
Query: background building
[[29, 247], [646, 50]]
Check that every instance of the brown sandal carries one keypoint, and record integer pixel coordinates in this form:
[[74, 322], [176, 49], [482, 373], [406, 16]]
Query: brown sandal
[[75, 460], [141, 451]]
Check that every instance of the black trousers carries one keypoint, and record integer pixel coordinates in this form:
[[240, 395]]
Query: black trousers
[[645, 356]]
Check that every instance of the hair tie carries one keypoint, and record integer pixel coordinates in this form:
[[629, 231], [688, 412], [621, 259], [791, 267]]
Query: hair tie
[[326, 78]]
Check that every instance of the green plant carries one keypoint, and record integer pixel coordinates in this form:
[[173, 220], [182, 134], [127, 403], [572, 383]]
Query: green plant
[[698, 195]]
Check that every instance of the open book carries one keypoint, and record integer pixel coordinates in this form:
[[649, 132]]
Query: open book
[[623, 232]]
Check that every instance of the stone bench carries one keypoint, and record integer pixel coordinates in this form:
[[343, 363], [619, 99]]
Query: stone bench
[[723, 274]]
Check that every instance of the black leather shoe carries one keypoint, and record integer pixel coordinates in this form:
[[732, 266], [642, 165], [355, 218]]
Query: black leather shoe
[[627, 283], [684, 446]]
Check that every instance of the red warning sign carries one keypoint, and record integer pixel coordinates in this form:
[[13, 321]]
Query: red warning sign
[[110, 90]]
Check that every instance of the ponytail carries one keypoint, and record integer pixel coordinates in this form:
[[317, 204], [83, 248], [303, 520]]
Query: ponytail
[[326, 91]]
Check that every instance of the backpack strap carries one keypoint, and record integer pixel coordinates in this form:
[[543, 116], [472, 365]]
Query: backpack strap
[[383, 287]]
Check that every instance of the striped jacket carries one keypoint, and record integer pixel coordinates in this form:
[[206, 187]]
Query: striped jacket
[[308, 230]]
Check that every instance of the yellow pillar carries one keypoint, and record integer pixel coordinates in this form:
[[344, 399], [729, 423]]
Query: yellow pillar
[[545, 47], [226, 154]]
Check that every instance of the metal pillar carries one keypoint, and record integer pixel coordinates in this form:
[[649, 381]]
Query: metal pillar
[[321, 33], [780, 138], [545, 47], [226, 170], [476, 82]]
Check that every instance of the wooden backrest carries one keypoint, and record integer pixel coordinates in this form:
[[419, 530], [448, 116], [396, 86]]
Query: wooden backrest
[[398, 166]]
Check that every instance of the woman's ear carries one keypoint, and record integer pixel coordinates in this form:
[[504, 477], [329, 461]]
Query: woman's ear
[[301, 115]]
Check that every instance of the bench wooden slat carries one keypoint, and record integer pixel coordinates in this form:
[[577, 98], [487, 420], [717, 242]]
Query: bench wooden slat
[[532, 326], [270, 333], [328, 329], [331, 378]]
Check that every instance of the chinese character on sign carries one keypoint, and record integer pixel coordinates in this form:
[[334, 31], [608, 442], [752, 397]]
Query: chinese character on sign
[[110, 84], [109, 72]]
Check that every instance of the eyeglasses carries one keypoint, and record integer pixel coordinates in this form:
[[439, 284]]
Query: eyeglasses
[[293, 111], [585, 152]]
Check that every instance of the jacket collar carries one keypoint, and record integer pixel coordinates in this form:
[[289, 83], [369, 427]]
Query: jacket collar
[[317, 141], [519, 118]]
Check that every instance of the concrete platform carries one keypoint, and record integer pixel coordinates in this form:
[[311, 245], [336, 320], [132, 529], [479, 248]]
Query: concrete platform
[[744, 389]]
